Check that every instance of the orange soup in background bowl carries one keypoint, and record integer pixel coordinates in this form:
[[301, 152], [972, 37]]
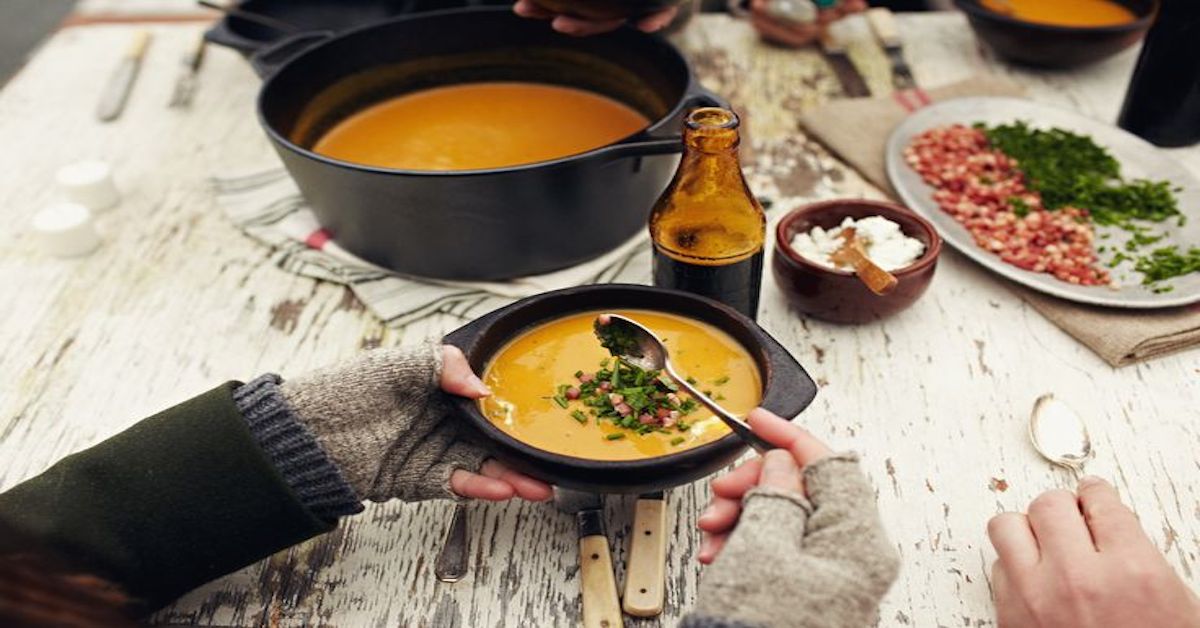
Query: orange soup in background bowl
[[1059, 33]]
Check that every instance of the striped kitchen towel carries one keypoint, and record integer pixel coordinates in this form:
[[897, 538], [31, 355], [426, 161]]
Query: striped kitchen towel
[[267, 206]]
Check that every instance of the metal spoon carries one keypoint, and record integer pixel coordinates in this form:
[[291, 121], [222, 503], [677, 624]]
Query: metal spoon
[[641, 347], [1059, 435]]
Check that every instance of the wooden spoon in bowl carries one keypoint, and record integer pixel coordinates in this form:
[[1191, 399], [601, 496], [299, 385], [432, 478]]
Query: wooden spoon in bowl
[[852, 254]]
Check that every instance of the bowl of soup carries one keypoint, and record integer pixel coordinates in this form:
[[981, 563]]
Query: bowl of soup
[[533, 352], [474, 144], [1059, 33]]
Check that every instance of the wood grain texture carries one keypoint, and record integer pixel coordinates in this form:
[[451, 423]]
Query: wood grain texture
[[935, 399]]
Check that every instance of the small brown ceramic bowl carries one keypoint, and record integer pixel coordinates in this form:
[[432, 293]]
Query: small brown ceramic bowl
[[1054, 46], [839, 296]]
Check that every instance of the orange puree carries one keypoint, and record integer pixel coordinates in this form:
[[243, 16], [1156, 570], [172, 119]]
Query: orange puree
[[1064, 12], [523, 376], [480, 125]]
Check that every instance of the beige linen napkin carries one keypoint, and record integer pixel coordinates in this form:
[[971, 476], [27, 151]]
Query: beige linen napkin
[[856, 130]]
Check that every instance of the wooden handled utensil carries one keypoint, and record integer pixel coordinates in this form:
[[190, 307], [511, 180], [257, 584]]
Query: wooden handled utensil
[[601, 606], [852, 254], [645, 570]]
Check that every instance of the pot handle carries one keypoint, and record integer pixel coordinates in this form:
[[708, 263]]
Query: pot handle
[[268, 60], [700, 96], [696, 96], [791, 387]]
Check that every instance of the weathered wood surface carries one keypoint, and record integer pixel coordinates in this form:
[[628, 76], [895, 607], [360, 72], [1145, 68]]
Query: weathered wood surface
[[936, 399]]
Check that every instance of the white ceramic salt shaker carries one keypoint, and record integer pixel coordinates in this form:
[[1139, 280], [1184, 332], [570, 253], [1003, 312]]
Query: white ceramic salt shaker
[[89, 183], [66, 230]]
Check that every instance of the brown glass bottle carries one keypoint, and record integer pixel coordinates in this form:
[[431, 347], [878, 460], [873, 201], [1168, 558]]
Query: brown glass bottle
[[707, 227]]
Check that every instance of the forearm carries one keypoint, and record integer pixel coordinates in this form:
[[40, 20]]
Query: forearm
[[180, 498], [817, 561]]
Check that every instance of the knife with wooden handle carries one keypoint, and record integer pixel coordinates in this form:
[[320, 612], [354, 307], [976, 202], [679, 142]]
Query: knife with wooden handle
[[645, 569], [116, 91], [834, 50], [883, 25], [601, 606]]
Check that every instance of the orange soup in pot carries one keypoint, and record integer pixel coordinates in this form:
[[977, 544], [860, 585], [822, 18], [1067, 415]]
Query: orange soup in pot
[[480, 125], [527, 374]]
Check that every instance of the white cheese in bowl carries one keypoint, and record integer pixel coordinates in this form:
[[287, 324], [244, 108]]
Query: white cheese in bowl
[[884, 242]]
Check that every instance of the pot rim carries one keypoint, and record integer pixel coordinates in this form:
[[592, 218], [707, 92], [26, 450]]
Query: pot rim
[[975, 10], [783, 243], [691, 89], [655, 464]]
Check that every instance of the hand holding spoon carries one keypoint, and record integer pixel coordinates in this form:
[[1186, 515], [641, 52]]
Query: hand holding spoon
[[1059, 435], [633, 343], [852, 254]]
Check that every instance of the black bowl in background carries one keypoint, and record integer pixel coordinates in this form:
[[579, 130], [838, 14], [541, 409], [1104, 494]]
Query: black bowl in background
[[1053, 46], [788, 389]]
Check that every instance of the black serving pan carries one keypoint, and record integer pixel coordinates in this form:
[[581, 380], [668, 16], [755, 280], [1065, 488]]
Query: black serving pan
[[788, 388], [488, 224], [1053, 46], [336, 16]]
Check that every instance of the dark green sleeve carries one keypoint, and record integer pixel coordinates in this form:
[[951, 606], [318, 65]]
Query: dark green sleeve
[[177, 500]]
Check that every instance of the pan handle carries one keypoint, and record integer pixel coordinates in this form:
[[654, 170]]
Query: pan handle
[[649, 144], [268, 60]]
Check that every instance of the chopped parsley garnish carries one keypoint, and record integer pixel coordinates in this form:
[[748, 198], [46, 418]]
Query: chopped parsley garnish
[[631, 398], [1070, 170]]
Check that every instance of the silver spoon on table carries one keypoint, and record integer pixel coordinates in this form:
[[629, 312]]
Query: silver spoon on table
[[1059, 435], [637, 345]]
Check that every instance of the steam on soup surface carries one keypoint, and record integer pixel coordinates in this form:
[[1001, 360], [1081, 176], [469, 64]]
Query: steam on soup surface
[[525, 374], [480, 125]]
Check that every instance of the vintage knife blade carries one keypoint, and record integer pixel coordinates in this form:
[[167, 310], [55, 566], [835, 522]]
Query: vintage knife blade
[[883, 24], [116, 91], [853, 85]]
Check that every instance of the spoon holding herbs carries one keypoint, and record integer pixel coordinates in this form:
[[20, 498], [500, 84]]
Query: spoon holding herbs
[[630, 341]]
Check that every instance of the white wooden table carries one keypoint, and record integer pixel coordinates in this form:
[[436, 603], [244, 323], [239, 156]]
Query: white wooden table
[[177, 300]]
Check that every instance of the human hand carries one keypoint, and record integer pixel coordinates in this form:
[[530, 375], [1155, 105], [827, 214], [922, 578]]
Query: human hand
[[495, 481], [799, 517], [795, 35], [385, 420], [1084, 562], [581, 27], [780, 468]]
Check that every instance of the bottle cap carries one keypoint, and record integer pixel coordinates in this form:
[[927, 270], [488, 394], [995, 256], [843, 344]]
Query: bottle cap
[[89, 183], [66, 230]]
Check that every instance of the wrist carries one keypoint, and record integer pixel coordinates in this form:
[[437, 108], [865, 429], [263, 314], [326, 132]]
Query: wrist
[[293, 450]]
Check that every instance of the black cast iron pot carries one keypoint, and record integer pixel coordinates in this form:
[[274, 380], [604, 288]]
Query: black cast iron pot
[[788, 388], [480, 224]]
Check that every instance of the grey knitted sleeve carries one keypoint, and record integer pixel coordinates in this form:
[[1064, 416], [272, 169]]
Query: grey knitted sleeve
[[293, 450], [821, 561], [383, 419]]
